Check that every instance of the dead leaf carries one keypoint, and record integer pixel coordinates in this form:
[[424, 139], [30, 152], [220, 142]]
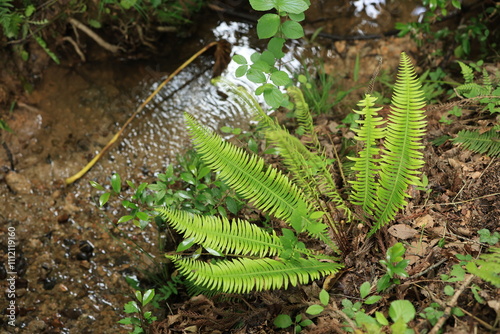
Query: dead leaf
[[402, 231], [424, 221]]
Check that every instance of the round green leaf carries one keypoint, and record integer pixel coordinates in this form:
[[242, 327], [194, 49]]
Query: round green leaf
[[185, 244], [103, 199], [305, 323], [448, 290], [241, 71], [381, 318], [239, 59], [372, 300], [402, 309], [262, 5], [292, 29], [314, 309], [96, 185], [267, 25], [275, 45], [364, 289], [142, 215], [297, 17], [125, 219], [148, 296], [256, 76], [116, 182], [280, 78], [324, 297], [292, 6], [283, 321]]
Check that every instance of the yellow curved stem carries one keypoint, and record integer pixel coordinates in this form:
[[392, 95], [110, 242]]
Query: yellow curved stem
[[85, 169]]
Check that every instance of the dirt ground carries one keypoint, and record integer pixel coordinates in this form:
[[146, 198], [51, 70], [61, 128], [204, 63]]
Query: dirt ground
[[71, 259]]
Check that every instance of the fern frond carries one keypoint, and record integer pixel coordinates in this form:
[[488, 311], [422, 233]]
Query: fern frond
[[238, 237], [310, 170], [244, 275], [366, 165], [467, 72], [472, 89], [487, 267], [267, 187], [485, 143], [303, 114], [401, 157]]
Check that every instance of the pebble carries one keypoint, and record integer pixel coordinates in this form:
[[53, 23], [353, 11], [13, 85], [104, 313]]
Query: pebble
[[36, 326], [18, 183]]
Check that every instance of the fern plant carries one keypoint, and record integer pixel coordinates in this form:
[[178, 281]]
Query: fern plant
[[487, 267], [488, 95], [249, 258], [484, 143], [381, 181]]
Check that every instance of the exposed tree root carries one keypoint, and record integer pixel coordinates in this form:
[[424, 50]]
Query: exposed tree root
[[110, 47]]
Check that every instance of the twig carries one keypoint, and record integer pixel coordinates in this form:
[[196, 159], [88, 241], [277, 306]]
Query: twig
[[139, 109], [481, 321], [110, 47], [77, 48], [451, 304], [428, 269]]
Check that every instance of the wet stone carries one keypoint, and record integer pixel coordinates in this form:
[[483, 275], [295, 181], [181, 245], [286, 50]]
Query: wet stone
[[63, 217], [86, 247], [71, 313], [83, 256], [36, 326], [18, 183], [49, 283]]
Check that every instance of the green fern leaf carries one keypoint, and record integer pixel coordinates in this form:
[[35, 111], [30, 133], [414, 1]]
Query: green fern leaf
[[487, 267], [236, 237], [401, 157], [369, 132], [467, 72], [303, 115], [266, 187], [472, 89], [244, 275], [485, 143]]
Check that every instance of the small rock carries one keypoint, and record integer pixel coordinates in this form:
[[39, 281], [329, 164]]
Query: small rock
[[71, 313], [63, 217], [86, 247], [82, 256], [85, 264], [61, 287], [18, 183], [49, 283], [36, 326]]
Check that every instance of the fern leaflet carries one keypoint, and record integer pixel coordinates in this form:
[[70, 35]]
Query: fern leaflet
[[365, 187], [401, 157], [267, 188], [218, 233], [489, 267], [243, 275], [485, 143]]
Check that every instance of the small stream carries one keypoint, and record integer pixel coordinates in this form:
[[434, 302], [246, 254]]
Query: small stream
[[70, 260]]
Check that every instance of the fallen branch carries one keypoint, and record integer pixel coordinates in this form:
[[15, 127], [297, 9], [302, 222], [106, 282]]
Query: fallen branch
[[451, 304], [110, 47], [220, 45]]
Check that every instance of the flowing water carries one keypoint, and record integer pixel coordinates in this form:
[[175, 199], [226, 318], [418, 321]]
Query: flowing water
[[70, 265]]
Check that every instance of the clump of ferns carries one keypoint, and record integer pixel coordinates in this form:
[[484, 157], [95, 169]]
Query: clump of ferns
[[249, 258]]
